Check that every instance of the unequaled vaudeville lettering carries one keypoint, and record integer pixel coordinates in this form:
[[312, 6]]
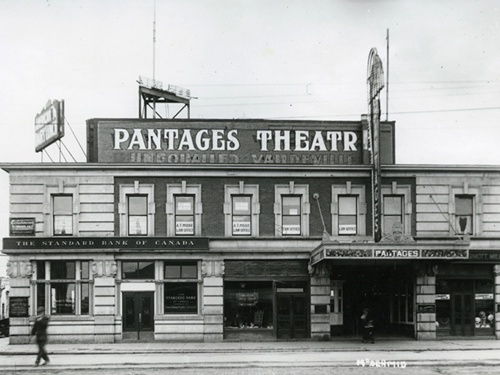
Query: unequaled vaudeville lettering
[[227, 140]]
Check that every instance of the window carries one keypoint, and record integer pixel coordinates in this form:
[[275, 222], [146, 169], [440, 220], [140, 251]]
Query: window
[[348, 210], [63, 287], [466, 211], [392, 212], [291, 210], [291, 216], [137, 215], [396, 207], [242, 215], [464, 214], [138, 270], [183, 209], [61, 209], [184, 215], [241, 210], [63, 215], [181, 287], [136, 209], [348, 215]]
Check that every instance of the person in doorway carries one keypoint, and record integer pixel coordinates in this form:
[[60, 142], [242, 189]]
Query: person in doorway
[[39, 330], [368, 326]]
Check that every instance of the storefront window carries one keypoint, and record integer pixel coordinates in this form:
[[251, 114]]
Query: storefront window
[[138, 270], [248, 305], [181, 288], [464, 307], [63, 290]]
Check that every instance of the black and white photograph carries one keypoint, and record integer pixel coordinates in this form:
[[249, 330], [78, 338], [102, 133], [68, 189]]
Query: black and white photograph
[[250, 187]]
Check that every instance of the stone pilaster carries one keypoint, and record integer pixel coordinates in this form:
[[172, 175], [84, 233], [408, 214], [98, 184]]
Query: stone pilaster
[[105, 309], [19, 272], [426, 295], [213, 300], [496, 273], [320, 303]]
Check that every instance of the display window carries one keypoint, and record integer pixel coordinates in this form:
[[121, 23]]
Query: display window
[[248, 305]]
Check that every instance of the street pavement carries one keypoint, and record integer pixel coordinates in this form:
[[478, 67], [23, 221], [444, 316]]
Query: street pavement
[[391, 355]]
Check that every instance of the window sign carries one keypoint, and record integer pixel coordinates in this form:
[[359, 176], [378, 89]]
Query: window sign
[[241, 206], [347, 229], [442, 297], [184, 207], [184, 226], [483, 296], [291, 229], [242, 226]]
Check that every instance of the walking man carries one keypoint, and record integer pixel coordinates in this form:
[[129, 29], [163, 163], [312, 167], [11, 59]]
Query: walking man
[[40, 331]]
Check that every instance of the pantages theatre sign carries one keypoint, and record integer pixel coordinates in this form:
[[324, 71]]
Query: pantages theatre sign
[[253, 142]]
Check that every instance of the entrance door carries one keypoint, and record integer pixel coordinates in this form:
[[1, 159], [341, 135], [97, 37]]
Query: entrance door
[[292, 316], [138, 315], [462, 314]]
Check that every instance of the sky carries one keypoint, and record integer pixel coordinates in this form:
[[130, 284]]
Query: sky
[[295, 59]]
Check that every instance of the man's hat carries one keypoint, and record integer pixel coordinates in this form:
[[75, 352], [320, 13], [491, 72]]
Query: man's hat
[[40, 310]]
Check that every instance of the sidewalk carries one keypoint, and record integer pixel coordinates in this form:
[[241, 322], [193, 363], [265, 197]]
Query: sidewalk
[[239, 347]]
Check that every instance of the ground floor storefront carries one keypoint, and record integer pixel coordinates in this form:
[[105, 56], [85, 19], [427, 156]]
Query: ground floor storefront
[[102, 296]]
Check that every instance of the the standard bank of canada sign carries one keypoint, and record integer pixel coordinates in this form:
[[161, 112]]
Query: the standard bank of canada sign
[[255, 142]]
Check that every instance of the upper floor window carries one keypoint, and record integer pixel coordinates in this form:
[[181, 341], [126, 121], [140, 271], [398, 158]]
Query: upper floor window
[[348, 215], [62, 215], [466, 211], [241, 210], [464, 214], [184, 215], [183, 209], [393, 211], [242, 215], [291, 216], [137, 215], [348, 210], [136, 209], [291, 210], [61, 209], [396, 207]]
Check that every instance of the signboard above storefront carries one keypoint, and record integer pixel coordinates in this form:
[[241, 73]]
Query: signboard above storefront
[[121, 243], [255, 142], [403, 251]]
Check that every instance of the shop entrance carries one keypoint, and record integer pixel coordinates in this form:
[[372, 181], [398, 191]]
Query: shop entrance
[[462, 316], [292, 316], [138, 315], [465, 307], [388, 291]]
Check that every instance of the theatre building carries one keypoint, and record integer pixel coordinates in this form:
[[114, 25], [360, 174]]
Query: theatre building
[[212, 230]]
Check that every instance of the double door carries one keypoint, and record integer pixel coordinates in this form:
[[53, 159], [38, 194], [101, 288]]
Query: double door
[[138, 315], [462, 314], [292, 317]]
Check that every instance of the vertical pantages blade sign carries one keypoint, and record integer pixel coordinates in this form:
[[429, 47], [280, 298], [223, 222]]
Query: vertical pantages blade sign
[[375, 83]]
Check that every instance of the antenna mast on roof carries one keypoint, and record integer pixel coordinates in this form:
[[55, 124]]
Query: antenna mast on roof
[[387, 82], [154, 38]]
